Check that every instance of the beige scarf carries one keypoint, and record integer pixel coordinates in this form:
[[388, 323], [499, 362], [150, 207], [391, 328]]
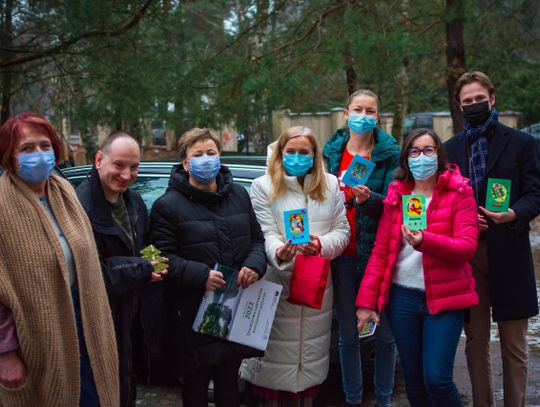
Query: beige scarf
[[34, 284]]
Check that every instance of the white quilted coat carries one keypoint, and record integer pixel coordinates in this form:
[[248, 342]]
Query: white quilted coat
[[297, 354]]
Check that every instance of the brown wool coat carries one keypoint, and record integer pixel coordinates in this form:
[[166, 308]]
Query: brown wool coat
[[34, 285]]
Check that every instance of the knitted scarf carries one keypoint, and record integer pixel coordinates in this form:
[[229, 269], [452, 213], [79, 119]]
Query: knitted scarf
[[34, 285], [477, 137]]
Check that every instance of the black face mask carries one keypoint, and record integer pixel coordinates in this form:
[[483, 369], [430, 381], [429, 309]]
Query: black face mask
[[477, 113]]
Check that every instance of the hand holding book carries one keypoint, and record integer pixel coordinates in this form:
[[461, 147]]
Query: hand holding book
[[312, 247], [413, 237], [286, 252], [361, 193], [500, 217], [246, 277], [215, 280]]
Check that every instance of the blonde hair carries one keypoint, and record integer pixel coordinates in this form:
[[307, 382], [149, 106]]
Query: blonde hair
[[317, 188], [364, 92], [195, 135]]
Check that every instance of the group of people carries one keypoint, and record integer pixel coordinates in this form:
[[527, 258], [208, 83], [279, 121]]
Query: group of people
[[73, 283]]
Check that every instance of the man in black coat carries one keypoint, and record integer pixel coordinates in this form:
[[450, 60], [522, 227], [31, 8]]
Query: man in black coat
[[503, 265], [120, 223]]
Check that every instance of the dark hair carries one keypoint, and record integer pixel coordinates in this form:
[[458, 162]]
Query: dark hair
[[11, 134], [404, 173], [115, 135], [469, 77], [195, 135]]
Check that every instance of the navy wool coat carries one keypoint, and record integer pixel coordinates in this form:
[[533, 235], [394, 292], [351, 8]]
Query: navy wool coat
[[512, 155]]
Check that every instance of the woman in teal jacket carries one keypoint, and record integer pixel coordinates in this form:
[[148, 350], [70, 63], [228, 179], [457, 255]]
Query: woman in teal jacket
[[364, 207]]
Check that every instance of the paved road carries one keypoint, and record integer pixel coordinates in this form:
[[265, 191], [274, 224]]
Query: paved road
[[170, 396]]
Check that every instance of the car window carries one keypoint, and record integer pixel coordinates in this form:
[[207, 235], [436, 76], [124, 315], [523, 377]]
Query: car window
[[150, 188], [153, 178]]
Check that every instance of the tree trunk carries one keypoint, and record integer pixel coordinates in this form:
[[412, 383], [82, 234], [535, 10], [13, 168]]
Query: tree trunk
[[455, 57], [401, 90], [6, 39], [350, 73], [401, 87]]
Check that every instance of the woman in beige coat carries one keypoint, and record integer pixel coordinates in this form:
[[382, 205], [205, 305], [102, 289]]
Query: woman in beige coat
[[57, 344]]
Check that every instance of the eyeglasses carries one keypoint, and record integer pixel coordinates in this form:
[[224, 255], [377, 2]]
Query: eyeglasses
[[428, 151]]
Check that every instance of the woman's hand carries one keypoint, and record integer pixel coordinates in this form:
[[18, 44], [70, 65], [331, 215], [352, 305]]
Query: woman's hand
[[361, 193], [364, 315], [312, 247], [286, 252], [246, 277], [215, 280], [12, 370], [413, 237]]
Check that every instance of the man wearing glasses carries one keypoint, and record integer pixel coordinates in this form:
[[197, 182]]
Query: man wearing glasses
[[503, 265]]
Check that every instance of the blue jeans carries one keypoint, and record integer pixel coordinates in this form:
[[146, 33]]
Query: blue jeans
[[346, 283], [89, 394], [427, 347]]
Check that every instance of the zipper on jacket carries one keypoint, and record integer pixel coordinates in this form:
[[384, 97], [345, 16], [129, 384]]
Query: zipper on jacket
[[424, 260], [300, 353]]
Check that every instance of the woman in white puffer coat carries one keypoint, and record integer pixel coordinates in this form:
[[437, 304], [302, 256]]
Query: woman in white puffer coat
[[296, 359]]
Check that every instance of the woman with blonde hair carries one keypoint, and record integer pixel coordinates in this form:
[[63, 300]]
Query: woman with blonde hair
[[296, 359], [363, 137]]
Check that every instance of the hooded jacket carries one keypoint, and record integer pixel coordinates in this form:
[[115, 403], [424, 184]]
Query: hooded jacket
[[385, 155], [196, 229], [449, 243], [297, 354]]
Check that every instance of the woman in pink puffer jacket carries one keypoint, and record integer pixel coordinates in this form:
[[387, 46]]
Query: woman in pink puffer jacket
[[422, 278]]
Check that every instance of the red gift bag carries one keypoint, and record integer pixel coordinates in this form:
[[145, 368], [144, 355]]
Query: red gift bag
[[308, 280]]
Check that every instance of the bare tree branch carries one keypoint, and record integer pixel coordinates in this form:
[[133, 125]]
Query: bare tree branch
[[137, 17], [314, 27]]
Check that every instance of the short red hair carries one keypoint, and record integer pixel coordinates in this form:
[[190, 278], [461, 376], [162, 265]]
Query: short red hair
[[11, 134]]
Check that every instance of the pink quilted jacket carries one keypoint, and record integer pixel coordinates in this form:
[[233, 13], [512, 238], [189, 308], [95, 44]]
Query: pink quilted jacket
[[449, 243]]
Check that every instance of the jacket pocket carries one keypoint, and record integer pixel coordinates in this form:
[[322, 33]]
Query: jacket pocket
[[19, 397]]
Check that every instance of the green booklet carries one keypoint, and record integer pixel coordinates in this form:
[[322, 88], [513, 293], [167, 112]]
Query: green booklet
[[498, 194], [414, 211]]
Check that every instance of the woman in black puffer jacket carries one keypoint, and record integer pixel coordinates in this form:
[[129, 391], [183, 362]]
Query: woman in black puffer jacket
[[204, 218]]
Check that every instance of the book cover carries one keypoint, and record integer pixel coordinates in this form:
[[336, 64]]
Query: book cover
[[296, 226], [498, 194], [414, 211], [241, 315], [358, 172]]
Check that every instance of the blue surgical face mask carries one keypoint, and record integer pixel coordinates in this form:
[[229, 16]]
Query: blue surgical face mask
[[204, 168], [36, 167], [297, 164], [423, 167], [361, 124]]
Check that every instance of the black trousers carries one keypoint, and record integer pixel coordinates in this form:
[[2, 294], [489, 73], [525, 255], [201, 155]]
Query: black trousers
[[226, 391]]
